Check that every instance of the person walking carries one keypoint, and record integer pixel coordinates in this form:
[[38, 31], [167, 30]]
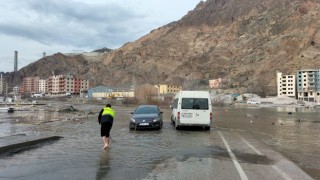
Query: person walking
[[105, 119]]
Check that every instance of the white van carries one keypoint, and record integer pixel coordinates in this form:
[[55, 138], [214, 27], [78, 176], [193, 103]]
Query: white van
[[192, 108]]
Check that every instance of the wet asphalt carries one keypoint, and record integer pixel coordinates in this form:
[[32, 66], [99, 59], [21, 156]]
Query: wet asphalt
[[266, 143]]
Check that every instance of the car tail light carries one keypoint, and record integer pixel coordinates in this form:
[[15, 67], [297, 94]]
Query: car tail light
[[178, 116], [211, 116]]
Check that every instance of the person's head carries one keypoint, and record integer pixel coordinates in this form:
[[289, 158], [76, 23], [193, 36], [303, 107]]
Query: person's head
[[108, 105]]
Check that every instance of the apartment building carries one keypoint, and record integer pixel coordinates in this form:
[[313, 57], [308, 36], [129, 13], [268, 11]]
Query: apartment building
[[42, 86], [62, 84], [3, 86], [308, 85], [56, 85], [165, 88], [16, 90], [29, 85], [286, 85], [317, 81]]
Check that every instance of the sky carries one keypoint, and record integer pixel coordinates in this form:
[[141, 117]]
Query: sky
[[32, 27]]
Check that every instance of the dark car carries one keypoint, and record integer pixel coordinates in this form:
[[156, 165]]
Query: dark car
[[146, 117]]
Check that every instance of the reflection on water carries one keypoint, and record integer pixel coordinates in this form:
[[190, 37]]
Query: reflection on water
[[292, 131], [294, 109], [21, 121], [104, 165]]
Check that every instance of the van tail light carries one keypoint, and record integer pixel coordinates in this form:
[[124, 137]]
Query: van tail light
[[178, 116], [211, 116]]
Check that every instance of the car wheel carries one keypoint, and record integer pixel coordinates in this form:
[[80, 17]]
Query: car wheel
[[131, 128], [207, 128]]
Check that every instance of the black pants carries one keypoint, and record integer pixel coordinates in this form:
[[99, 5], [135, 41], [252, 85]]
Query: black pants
[[105, 129]]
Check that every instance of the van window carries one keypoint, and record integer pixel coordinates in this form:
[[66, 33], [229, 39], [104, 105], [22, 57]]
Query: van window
[[195, 103]]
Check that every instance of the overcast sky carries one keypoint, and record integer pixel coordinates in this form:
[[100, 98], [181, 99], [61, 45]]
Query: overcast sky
[[32, 27]]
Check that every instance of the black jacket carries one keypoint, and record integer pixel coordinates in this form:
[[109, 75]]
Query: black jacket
[[104, 118]]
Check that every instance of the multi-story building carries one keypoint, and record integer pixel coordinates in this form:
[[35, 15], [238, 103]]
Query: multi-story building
[[56, 85], [165, 88], [4, 88], [29, 85], [42, 86], [66, 84], [286, 85], [215, 83], [16, 90], [1, 85], [317, 81], [308, 85]]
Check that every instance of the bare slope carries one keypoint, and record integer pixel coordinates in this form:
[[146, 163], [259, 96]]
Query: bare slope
[[243, 41]]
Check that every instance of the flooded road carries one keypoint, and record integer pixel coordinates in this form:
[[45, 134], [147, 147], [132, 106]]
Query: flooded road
[[276, 134]]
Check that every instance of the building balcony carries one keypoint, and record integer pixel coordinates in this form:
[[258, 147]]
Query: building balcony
[[311, 88]]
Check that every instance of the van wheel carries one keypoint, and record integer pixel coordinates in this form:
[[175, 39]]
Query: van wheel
[[177, 126], [207, 128], [172, 122]]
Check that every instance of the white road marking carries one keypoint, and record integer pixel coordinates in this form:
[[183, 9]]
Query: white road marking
[[242, 174], [276, 168], [283, 174]]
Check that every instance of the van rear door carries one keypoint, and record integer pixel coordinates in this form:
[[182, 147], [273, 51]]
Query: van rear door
[[195, 110]]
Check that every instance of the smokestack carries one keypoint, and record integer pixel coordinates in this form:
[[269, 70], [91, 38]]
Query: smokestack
[[15, 61], [44, 54]]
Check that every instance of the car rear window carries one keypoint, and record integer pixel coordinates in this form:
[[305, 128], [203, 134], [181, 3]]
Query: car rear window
[[195, 103]]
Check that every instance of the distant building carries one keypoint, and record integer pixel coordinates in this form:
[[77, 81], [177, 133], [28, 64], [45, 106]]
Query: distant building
[[123, 92], [56, 85], [3, 86], [16, 90], [215, 83], [167, 88], [66, 84], [108, 92], [30, 85], [308, 85], [42, 86], [286, 85], [99, 92]]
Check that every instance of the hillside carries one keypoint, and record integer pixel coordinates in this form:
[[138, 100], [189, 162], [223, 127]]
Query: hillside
[[244, 42]]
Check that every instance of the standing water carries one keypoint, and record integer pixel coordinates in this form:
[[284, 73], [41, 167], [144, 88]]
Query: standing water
[[133, 154]]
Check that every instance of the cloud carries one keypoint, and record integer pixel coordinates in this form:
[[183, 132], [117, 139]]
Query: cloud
[[72, 23], [35, 26]]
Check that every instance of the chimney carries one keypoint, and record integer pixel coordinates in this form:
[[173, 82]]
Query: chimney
[[15, 61], [44, 54]]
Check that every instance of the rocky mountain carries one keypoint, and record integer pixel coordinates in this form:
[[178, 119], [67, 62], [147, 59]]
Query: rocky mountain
[[242, 41]]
